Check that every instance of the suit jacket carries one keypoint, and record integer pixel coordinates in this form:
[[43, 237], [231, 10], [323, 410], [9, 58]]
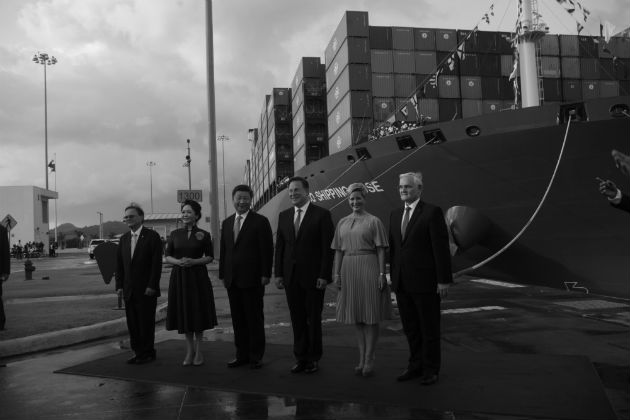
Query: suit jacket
[[5, 252], [134, 275], [423, 259], [243, 263], [308, 256], [624, 204]]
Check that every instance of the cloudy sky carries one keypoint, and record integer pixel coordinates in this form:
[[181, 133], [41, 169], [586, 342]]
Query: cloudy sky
[[130, 84]]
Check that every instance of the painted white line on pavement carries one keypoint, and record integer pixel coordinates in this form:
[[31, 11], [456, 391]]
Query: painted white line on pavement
[[469, 310]]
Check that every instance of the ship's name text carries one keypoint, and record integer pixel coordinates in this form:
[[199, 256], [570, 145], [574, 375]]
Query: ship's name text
[[341, 192]]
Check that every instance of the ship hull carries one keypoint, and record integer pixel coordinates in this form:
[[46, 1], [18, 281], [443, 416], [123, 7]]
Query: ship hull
[[576, 241]]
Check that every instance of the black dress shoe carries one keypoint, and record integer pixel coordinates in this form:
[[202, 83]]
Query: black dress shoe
[[237, 362], [299, 367], [408, 374], [256, 365], [144, 360], [429, 379], [132, 360], [311, 367]]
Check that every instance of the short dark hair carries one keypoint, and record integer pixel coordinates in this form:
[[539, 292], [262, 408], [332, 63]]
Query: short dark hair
[[299, 179], [193, 205], [244, 188], [136, 207]]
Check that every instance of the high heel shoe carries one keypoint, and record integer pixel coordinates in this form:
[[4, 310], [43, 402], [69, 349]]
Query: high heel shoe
[[188, 360], [358, 370], [368, 368], [198, 361]]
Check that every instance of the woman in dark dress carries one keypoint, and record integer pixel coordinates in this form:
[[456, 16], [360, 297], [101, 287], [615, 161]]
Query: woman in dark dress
[[191, 307]]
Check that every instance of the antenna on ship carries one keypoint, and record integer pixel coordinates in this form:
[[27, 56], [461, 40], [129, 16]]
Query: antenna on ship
[[530, 29]]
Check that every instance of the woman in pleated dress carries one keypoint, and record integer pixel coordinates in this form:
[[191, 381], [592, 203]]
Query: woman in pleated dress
[[191, 307], [363, 297]]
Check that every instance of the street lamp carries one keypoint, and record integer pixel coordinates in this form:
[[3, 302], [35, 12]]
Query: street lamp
[[45, 60], [100, 224], [151, 164], [223, 139]]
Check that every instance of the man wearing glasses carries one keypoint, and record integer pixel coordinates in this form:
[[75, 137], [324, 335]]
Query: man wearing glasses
[[138, 271]]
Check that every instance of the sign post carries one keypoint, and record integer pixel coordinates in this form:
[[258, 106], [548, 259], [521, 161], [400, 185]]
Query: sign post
[[183, 195], [9, 222]]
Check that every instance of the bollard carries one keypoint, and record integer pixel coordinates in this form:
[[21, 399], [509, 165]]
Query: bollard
[[28, 269]]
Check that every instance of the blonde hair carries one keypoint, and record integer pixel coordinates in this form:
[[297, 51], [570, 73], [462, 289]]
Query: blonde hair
[[357, 187]]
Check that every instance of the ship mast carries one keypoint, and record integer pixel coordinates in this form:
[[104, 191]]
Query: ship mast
[[531, 29]]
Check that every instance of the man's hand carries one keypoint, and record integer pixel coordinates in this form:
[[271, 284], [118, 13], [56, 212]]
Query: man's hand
[[4, 277], [622, 162], [264, 281], [150, 292], [279, 282], [607, 188], [442, 289], [321, 284]]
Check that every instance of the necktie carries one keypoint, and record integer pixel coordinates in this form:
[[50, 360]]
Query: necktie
[[134, 240], [237, 227], [405, 221], [296, 222]]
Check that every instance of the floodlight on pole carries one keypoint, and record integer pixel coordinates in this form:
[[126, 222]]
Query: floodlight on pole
[[45, 60]]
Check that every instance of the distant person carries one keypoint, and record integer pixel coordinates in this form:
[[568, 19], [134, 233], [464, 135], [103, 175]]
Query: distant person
[[303, 268], [5, 269], [420, 270], [191, 307], [610, 190], [138, 271], [360, 244], [245, 268]]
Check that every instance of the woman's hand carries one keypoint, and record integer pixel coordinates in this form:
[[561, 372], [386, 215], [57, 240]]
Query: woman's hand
[[382, 282], [186, 262], [338, 281]]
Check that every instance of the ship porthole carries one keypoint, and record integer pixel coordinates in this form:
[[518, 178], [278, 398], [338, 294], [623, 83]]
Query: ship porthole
[[473, 131], [619, 110]]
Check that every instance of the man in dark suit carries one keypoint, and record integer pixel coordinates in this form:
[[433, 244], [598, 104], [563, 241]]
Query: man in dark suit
[[138, 272], [420, 265], [615, 196], [5, 269], [245, 262], [303, 267]]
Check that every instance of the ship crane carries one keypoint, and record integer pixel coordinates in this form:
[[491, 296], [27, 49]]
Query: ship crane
[[530, 30]]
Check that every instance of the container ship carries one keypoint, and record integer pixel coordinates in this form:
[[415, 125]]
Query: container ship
[[510, 152]]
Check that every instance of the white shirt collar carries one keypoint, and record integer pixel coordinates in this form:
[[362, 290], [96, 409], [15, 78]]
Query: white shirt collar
[[413, 205], [303, 208], [137, 232]]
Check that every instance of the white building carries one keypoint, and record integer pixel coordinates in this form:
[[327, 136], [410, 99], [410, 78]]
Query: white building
[[28, 205]]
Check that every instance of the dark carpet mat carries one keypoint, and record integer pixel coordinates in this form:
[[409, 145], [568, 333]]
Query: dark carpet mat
[[511, 384]]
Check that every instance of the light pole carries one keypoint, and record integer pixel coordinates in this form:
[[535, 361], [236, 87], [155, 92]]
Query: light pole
[[151, 164], [45, 60], [100, 224], [223, 139], [53, 168], [187, 164]]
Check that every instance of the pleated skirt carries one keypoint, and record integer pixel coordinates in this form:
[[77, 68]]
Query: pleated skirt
[[191, 305]]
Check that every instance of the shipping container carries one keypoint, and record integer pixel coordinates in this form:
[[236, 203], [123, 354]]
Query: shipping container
[[506, 88], [504, 43], [569, 46], [354, 131], [587, 46], [471, 107], [425, 62], [404, 62], [445, 39], [486, 42], [552, 90], [426, 89], [298, 98], [352, 24], [550, 67], [489, 106], [353, 51], [382, 61], [380, 37], [448, 87], [470, 87], [507, 64], [424, 39], [571, 90], [405, 111], [448, 62], [309, 67], [429, 108], [315, 109], [570, 67], [490, 88], [404, 85], [298, 119], [402, 38], [450, 109], [624, 87], [616, 46], [549, 45], [608, 88], [356, 104], [353, 77], [383, 108], [490, 65], [589, 68], [469, 65], [383, 84], [284, 152]]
